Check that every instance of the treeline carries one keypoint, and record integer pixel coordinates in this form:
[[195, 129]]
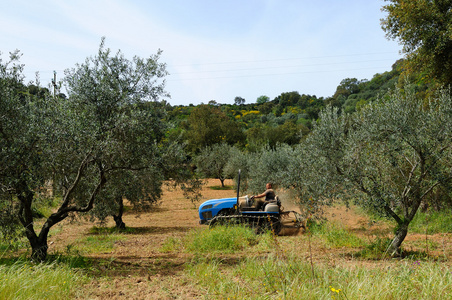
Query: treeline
[[287, 119]]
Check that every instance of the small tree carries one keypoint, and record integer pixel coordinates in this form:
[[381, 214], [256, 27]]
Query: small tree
[[262, 99], [25, 120], [268, 165], [211, 162], [239, 101]]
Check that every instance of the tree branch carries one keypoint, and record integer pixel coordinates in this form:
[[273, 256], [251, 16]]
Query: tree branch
[[68, 193]]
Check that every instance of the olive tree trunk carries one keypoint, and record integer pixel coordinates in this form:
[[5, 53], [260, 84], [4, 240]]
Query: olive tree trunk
[[118, 218]]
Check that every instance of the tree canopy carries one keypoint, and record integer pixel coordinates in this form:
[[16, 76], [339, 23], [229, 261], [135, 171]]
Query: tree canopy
[[388, 158], [208, 125], [424, 29], [105, 132]]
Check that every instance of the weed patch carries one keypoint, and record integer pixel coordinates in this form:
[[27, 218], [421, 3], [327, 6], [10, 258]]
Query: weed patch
[[335, 236], [94, 244], [432, 222], [23, 280], [221, 238], [274, 277]]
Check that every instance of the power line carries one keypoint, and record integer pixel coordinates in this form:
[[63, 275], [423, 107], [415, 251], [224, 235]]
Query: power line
[[279, 67], [274, 74], [284, 59]]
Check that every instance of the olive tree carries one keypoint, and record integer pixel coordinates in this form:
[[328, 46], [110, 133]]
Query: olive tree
[[23, 123], [389, 157], [268, 165], [212, 161], [104, 136]]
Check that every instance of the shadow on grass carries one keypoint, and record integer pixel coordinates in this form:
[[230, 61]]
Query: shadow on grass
[[377, 251], [221, 188], [137, 230], [72, 261]]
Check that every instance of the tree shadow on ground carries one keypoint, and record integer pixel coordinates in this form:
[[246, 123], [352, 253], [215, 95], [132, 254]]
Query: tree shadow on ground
[[138, 230]]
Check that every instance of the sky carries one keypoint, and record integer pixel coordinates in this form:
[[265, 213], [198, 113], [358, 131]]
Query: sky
[[214, 50]]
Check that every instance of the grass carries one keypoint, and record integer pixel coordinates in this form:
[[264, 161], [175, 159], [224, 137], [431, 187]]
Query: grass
[[112, 230], [221, 238], [432, 222], [98, 243], [335, 235], [24, 280], [276, 276], [270, 268], [375, 250], [221, 188], [171, 244], [12, 245]]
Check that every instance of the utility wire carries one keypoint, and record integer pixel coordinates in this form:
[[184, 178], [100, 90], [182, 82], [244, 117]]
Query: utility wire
[[279, 67], [263, 75], [283, 59]]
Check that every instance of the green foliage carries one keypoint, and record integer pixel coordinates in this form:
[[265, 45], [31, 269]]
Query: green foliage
[[221, 239], [423, 28], [212, 160], [432, 222], [208, 125], [273, 277], [239, 101], [268, 165], [43, 281], [262, 99], [352, 94], [335, 235], [22, 123], [102, 143], [395, 152]]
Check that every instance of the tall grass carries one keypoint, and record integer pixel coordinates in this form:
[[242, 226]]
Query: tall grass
[[432, 222], [272, 277], [221, 238], [44, 281], [268, 269], [95, 244], [335, 235]]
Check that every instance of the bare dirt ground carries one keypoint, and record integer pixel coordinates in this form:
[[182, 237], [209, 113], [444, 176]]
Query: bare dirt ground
[[137, 268]]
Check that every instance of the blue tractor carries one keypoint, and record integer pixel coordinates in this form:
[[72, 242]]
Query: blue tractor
[[242, 210]]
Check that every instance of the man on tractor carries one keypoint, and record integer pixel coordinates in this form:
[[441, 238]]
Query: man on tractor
[[269, 195]]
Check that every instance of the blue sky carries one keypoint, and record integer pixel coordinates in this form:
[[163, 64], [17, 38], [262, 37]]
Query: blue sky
[[214, 50]]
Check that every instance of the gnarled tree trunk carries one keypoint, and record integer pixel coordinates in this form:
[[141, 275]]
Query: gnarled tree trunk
[[394, 248], [118, 218]]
